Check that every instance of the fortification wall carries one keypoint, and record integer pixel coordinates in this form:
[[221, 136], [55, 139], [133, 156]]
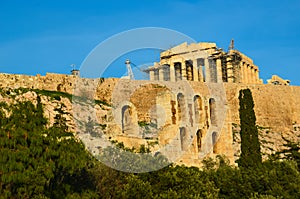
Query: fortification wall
[[51, 81], [60, 82], [276, 107]]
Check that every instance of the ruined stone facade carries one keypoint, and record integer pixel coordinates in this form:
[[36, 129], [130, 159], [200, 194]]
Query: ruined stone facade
[[204, 62], [278, 81], [188, 110]]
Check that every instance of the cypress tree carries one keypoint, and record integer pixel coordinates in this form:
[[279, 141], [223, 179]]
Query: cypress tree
[[250, 146]]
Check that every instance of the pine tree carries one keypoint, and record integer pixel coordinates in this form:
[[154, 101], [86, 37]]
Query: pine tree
[[37, 161], [60, 120], [250, 146], [291, 152]]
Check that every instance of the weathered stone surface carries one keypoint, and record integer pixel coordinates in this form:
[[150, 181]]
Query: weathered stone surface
[[175, 126]]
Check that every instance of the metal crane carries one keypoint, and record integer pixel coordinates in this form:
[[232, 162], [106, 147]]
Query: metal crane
[[129, 70]]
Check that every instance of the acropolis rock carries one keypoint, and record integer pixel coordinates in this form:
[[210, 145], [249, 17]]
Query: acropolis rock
[[188, 108]]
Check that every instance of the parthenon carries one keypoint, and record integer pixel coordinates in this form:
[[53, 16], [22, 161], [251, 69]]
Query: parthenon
[[204, 62]]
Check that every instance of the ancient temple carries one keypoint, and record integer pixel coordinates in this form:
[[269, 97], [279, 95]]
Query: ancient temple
[[204, 62]]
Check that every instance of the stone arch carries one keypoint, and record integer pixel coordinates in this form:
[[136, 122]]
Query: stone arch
[[157, 154], [178, 73], [199, 139], [214, 140], [198, 108], [59, 87], [181, 107], [212, 111], [128, 119], [183, 138]]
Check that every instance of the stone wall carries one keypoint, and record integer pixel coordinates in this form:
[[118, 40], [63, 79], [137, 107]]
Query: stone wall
[[178, 116], [53, 82], [59, 82]]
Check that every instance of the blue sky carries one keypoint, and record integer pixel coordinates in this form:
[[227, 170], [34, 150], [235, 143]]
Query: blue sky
[[40, 36]]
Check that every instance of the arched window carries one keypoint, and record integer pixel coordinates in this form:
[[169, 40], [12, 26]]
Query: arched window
[[126, 118], [59, 87], [197, 108], [199, 142]]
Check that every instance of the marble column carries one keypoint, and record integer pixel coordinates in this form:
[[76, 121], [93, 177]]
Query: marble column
[[246, 73], [219, 70], [189, 72], [151, 73], [242, 79], [172, 72], [200, 74], [195, 70], [183, 71], [253, 75], [161, 74], [207, 70], [249, 74], [257, 76]]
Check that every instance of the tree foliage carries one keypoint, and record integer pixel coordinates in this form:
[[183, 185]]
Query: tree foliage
[[290, 152], [250, 146], [37, 161]]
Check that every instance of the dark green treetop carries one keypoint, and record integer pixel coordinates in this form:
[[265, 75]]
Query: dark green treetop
[[250, 146]]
